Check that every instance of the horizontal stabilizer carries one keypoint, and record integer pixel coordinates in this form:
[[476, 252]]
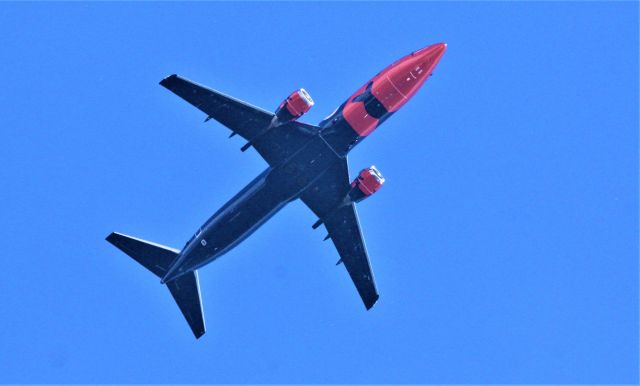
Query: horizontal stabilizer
[[186, 292], [157, 259], [154, 257]]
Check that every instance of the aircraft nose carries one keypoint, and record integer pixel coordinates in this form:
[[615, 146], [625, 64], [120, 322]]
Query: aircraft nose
[[408, 75], [431, 55]]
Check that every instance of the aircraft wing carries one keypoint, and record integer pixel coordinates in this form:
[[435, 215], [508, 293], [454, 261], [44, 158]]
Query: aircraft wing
[[343, 226], [250, 122]]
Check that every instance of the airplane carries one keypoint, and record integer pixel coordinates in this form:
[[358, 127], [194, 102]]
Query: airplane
[[306, 162]]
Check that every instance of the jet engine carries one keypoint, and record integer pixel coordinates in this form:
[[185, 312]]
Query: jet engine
[[368, 182], [296, 104]]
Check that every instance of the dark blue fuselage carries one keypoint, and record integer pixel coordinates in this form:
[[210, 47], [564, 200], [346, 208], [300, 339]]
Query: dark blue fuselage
[[262, 198]]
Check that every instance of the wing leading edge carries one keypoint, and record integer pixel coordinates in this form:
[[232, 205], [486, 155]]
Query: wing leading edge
[[274, 143], [326, 199]]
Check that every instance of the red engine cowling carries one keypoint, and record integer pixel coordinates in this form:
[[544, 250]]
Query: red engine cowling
[[369, 181], [296, 104]]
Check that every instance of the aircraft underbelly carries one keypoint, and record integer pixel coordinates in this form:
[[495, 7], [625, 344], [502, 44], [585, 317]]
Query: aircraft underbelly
[[258, 202]]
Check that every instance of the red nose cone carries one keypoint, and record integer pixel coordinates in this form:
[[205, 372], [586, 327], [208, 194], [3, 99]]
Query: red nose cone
[[431, 55], [396, 84], [391, 87], [414, 69]]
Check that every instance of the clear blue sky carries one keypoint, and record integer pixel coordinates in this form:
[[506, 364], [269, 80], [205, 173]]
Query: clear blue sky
[[504, 243]]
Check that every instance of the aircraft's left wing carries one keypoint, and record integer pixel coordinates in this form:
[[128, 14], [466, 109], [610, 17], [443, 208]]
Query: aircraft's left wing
[[323, 197], [252, 123]]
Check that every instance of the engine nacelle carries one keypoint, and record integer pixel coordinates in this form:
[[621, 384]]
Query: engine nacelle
[[296, 104], [368, 182]]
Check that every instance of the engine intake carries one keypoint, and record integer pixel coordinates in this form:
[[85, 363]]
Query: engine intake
[[369, 181], [296, 104]]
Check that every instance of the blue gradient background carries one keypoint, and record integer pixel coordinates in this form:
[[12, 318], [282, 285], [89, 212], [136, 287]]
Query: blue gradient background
[[505, 242]]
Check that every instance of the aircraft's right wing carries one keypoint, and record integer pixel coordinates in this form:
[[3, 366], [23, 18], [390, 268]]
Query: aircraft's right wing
[[343, 226], [250, 122]]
